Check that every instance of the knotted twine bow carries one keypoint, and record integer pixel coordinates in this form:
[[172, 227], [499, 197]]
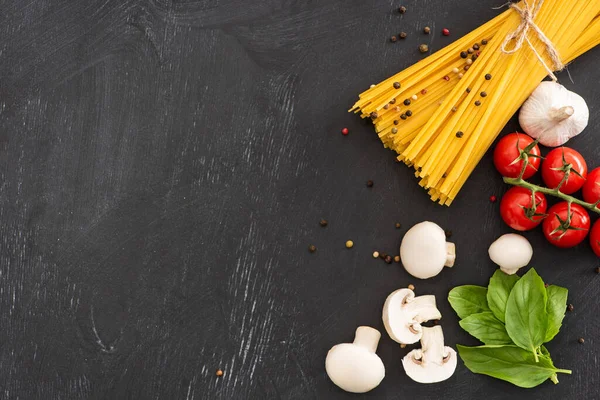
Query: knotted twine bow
[[528, 13]]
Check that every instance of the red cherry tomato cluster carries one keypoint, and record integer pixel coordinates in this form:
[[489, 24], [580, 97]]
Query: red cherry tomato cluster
[[565, 224]]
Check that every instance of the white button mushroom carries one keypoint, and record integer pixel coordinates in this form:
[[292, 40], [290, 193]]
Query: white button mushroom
[[433, 362], [403, 313], [354, 367], [511, 252], [424, 250]]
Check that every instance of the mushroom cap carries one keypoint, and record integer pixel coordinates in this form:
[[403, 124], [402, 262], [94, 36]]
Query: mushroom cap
[[402, 323], [511, 252], [423, 250], [354, 368], [429, 371]]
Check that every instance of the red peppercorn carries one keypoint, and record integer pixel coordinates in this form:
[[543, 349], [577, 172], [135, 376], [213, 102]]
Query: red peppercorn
[[345, 131], [445, 32], [478, 53], [493, 199], [446, 78], [424, 91]]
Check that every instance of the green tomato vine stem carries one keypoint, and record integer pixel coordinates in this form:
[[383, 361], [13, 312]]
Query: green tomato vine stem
[[552, 192], [524, 155]]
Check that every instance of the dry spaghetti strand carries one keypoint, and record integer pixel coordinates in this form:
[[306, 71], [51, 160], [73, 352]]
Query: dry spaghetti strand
[[443, 113]]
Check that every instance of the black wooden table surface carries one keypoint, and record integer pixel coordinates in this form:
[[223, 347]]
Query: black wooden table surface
[[165, 165]]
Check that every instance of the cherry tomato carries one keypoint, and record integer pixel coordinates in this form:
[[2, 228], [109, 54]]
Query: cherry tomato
[[553, 169], [595, 238], [562, 231], [591, 187], [507, 151], [517, 209]]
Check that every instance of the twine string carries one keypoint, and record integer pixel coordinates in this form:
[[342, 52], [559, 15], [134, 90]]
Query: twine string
[[519, 35]]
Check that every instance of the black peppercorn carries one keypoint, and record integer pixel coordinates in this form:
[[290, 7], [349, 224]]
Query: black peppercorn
[[402, 35], [488, 77], [448, 234], [581, 340], [477, 103], [466, 67], [470, 50], [407, 102], [476, 46], [396, 122], [386, 107], [468, 90], [374, 115], [402, 10], [393, 39], [459, 134], [312, 248], [484, 42], [444, 175], [474, 57], [408, 113], [403, 116], [393, 101], [369, 183], [570, 307], [396, 85], [323, 222], [483, 94]]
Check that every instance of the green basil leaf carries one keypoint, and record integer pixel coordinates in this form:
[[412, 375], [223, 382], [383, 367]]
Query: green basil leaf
[[556, 308], [509, 363], [497, 295], [487, 328], [544, 353], [526, 317], [468, 299]]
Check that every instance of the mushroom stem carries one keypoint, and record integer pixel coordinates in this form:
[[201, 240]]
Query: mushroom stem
[[450, 254], [562, 113], [509, 271], [423, 308], [367, 337], [432, 344]]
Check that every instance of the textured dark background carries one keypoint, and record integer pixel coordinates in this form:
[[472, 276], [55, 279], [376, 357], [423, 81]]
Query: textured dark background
[[165, 165]]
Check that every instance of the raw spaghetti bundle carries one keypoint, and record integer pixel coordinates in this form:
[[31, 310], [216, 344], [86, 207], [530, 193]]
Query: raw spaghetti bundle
[[443, 113]]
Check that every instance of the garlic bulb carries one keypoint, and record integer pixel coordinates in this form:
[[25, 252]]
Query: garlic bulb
[[553, 114]]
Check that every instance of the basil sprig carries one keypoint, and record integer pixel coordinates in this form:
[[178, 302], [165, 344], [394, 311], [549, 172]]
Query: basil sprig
[[513, 317]]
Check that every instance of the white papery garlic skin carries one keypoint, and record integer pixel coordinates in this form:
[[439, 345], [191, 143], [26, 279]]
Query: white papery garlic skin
[[553, 114]]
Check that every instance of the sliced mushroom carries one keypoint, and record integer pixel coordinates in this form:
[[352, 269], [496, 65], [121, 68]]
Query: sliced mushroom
[[425, 252], [403, 314], [354, 367], [433, 362]]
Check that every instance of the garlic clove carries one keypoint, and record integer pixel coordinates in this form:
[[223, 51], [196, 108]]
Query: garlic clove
[[553, 114]]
